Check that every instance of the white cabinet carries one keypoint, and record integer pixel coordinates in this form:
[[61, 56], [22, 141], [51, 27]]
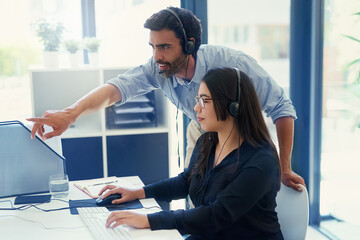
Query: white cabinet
[[88, 144]]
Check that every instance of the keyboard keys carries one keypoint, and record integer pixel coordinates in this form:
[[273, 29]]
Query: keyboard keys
[[95, 219]]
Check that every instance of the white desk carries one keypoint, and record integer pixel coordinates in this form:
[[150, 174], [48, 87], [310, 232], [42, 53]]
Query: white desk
[[35, 224]]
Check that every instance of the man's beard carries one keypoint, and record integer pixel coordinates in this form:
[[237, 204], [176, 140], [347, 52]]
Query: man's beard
[[176, 66]]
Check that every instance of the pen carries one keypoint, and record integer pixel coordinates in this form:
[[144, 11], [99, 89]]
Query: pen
[[96, 184]]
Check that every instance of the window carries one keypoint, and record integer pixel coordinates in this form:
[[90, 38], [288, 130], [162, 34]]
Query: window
[[263, 33], [20, 48], [120, 28], [340, 166]]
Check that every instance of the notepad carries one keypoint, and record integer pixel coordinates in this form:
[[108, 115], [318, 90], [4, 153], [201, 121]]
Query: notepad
[[92, 187]]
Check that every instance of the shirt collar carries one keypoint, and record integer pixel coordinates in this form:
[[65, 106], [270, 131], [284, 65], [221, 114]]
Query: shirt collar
[[200, 70], [200, 67]]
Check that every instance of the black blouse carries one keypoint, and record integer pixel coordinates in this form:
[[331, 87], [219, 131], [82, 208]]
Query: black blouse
[[234, 200]]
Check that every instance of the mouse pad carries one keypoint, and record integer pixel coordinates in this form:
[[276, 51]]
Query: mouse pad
[[74, 204]]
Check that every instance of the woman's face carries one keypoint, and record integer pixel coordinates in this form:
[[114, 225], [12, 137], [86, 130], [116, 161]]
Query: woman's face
[[206, 114]]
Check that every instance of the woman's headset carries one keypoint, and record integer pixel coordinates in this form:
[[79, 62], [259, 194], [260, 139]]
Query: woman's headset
[[234, 106]]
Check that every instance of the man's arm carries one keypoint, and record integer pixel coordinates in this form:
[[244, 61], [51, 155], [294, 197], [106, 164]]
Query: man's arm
[[285, 133], [60, 120]]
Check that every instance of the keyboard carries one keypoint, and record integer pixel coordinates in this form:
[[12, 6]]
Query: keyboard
[[95, 219]]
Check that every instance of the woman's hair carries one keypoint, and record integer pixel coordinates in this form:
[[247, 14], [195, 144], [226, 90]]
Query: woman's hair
[[222, 84], [165, 20]]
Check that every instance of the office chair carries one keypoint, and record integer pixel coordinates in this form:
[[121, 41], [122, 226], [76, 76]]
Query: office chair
[[293, 212]]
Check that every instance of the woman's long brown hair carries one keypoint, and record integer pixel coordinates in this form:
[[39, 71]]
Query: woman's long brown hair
[[249, 122]]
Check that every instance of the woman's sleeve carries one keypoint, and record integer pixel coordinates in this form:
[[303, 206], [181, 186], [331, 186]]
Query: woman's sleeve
[[233, 202], [173, 188]]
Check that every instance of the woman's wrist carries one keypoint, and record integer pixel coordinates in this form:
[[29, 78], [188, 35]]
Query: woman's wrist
[[140, 193]]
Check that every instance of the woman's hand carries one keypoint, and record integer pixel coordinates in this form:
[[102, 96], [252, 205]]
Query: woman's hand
[[127, 195], [126, 217]]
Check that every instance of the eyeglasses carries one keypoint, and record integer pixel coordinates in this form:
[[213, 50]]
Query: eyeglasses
[[202, 101]]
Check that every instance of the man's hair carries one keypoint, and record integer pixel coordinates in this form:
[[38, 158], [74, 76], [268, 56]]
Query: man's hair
[[165, 20]]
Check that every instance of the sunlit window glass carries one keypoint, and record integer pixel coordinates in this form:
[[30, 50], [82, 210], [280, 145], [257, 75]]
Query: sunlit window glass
[[340, 165], [20, 48], [120, 28], [261, 32]]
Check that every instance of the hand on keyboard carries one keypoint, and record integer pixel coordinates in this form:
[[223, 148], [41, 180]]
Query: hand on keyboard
[[126, 194], [95, 218], [137, 220]]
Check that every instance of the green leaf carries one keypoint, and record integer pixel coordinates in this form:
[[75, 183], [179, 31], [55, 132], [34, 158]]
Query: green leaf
[[352, 63], [357, 80], [352, 38], [358, 13]]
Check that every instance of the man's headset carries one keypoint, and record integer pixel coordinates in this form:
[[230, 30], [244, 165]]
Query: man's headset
[[189, 45], [234, 106]]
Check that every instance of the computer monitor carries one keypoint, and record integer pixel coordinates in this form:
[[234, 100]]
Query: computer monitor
[[25, 163]]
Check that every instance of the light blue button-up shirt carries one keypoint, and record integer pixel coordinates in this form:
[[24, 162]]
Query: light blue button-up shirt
[[145, 78]]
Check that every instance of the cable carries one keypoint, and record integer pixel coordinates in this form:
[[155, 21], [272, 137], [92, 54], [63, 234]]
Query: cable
[[27, 206], [45, 227], [177, 113]]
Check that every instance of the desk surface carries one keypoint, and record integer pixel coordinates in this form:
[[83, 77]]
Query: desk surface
[[35, 224]]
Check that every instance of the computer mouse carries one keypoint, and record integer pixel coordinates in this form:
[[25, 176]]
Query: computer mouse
[[107, 200]]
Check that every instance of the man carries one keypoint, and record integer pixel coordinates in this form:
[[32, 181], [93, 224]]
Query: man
[[177, 68]]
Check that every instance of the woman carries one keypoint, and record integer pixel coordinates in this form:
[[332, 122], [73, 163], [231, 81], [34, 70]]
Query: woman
[[233, 176]]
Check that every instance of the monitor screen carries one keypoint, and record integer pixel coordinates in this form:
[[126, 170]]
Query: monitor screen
[[25, 163]]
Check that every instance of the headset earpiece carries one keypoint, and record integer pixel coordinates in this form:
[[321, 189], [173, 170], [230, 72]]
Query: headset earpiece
[[233, 109], [234, 106], [189, 46]]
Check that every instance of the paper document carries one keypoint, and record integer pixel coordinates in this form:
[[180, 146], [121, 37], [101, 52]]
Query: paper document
[[92, 187]]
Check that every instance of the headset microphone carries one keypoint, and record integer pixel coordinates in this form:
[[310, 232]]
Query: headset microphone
[[165, 71], [188, 49], [189, 45]]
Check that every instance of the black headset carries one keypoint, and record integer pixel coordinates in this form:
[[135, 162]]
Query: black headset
[[189, 45], [234, 106]]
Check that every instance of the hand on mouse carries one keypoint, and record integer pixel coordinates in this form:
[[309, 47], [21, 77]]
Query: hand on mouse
[[126, 194]]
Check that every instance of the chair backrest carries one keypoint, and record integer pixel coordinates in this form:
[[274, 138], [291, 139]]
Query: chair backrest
[[293, 212]]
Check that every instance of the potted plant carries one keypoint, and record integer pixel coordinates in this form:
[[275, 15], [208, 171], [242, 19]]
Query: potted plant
[[92, 44], [50, 34], [72, 46]]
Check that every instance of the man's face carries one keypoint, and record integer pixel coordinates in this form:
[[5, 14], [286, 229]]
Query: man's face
[[167, 52]]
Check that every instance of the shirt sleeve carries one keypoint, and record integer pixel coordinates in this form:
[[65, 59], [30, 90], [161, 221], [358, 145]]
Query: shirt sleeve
[[168, 189], [176, 187], [136, 81], [272, 97], [233, 202]]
